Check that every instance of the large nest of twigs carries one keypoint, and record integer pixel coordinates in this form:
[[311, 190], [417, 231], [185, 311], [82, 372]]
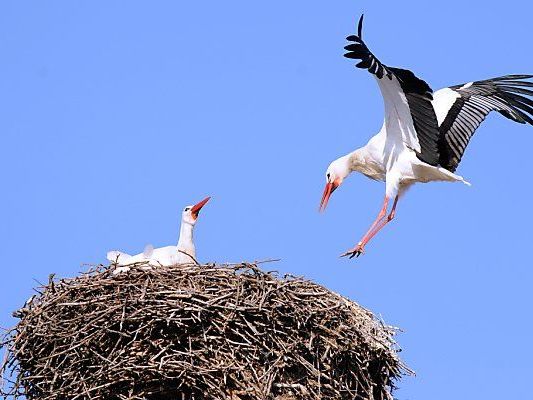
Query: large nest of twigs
[[197, 332]]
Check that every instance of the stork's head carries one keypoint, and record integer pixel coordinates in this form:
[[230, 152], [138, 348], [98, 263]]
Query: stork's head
[[190, 213], [337, 171]]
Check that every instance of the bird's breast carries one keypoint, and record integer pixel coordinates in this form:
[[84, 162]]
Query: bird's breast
[[373, 171]]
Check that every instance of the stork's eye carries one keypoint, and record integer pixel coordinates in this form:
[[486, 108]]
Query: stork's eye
[[187, 208], [328, 175]]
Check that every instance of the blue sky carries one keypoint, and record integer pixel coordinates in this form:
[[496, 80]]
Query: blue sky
[[117, 114]]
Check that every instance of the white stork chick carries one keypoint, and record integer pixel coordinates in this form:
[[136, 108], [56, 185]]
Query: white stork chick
[[425, 134], [183, 253]]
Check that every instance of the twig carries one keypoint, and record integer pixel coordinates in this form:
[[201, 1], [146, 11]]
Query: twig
[[191, 257]]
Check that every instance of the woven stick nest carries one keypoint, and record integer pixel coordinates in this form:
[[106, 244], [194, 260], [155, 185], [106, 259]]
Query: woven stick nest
[[196, 332]]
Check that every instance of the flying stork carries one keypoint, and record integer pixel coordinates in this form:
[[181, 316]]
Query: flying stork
[[183, 253], [424, 134]]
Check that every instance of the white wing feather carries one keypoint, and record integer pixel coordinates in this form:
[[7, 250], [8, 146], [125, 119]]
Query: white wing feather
[[443, 100], [398, 119]]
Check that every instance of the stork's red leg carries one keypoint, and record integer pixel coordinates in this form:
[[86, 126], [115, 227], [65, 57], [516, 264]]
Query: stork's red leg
[[377, 221], [358, 249], [378, 224], [382, 223]]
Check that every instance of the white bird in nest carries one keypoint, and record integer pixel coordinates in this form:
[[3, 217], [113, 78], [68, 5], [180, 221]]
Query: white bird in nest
[[183, 253], [424, 134]]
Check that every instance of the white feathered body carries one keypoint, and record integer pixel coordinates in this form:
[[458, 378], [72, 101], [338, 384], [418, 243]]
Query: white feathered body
[[162, 256], [183, 253], [390, 155]]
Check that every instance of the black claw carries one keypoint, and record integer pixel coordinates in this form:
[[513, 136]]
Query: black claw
[[352, 254]]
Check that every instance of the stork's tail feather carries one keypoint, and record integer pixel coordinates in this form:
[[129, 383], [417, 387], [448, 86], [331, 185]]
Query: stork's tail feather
[[117, 256], [465, 182]]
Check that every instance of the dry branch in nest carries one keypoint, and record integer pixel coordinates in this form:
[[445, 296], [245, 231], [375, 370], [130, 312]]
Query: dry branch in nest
[[197, 332]]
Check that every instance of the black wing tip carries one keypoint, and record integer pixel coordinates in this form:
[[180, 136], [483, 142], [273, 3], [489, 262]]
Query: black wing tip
[[512, 77], [359, 37], [517, 79], [357, 49], [514, 90], [501, 80], [360, 26]]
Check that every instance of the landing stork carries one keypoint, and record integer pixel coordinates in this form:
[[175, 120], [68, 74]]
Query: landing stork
[[425, 134]]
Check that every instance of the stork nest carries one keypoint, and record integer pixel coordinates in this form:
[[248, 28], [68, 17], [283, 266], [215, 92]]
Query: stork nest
[[196, 332]]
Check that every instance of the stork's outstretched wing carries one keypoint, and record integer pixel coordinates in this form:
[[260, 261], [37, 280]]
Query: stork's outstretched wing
[[462, 108], [408, 109]]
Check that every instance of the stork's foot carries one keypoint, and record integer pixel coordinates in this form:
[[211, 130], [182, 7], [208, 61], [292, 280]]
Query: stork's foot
[[355, 252]]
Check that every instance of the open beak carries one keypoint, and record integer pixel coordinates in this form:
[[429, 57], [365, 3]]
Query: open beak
[[330, 188], [195, 210]]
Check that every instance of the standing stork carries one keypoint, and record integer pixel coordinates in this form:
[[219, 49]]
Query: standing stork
[[425, 134]]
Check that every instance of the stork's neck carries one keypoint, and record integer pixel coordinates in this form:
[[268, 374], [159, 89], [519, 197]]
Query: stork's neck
[[185, 241], [363, 160], [356, 159]]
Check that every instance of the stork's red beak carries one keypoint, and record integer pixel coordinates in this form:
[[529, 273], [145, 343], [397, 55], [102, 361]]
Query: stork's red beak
[[195, 210], [330, 188]]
